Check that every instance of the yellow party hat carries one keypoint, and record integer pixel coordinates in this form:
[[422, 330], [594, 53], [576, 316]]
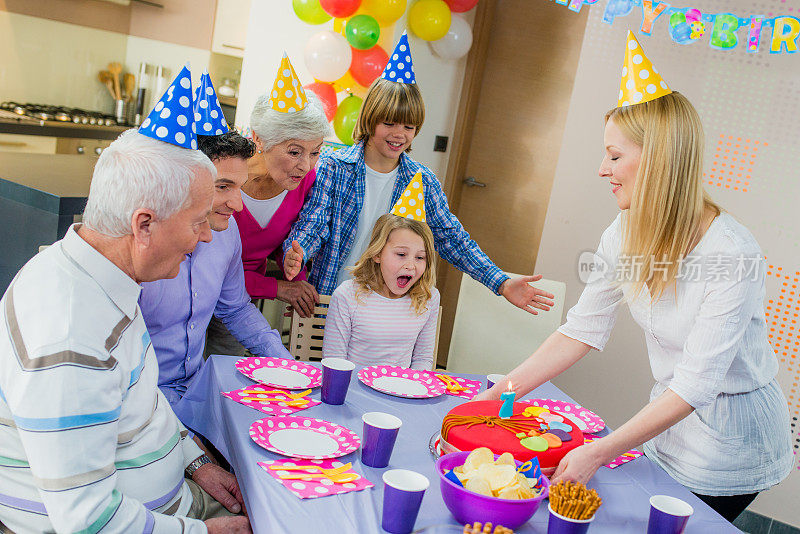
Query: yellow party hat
[[287, 94], [411, 203], [640, 79]]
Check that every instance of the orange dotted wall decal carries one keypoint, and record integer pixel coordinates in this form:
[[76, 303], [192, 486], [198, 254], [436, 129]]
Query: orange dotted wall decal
[[732, 166], [782, 312]]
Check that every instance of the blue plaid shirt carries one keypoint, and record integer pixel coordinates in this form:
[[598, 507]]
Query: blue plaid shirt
[[327, 224]]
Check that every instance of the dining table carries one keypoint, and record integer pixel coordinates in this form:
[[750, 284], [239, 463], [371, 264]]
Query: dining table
[[273, 509]]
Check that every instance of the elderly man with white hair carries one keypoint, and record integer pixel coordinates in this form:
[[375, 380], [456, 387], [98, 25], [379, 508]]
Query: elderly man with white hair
[[87, 441]]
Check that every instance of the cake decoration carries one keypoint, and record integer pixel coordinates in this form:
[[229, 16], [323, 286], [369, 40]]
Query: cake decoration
[[534, 411], [536, 443], [563, 436]]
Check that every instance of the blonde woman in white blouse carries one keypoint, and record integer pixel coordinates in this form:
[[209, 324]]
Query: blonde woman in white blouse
[[693, 278]]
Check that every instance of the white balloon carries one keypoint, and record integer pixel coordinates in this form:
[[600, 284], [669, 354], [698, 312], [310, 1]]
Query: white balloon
[[328, 56], [457, 42]]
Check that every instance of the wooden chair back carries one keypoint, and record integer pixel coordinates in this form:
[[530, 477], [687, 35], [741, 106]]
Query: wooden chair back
[[305, 338]]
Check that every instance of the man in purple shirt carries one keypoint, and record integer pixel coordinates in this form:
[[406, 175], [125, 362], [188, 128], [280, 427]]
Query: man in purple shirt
[[211, 281]]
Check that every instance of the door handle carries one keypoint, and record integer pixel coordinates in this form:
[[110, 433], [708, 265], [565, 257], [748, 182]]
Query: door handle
[[472, 182]]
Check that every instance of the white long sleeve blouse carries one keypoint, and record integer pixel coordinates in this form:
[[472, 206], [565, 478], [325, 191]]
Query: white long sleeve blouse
[[707, 342]]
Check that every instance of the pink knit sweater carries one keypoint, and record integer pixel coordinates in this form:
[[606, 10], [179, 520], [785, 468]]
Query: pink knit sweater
[[259, 243]]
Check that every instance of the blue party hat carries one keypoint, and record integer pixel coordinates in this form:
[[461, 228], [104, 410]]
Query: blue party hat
[[400, 68], [171, 119], [207, 110]]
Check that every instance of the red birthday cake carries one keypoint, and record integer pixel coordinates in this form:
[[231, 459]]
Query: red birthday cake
[[530, 432]]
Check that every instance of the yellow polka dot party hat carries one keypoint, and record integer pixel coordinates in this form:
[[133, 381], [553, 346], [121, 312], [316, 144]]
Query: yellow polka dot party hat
[[640, 79], [287, 94], [411, 203]]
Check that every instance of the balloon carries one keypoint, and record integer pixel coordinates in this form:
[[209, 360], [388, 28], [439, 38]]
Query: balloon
[[327, 56], [340, 8], [429, 19], [362, 32], [368, 64], [309, 11], [349, 84], [344, 122], [457, 41], [386, 12], [326, 94], [460, 6]]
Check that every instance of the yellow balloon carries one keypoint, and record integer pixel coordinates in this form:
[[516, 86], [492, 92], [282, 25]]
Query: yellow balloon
[[429, 19], [385, 11], [349, 84]]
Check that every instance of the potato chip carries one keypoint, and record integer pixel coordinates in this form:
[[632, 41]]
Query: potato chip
[[481, 455], [498, 476], [479, 485], [506, 458]]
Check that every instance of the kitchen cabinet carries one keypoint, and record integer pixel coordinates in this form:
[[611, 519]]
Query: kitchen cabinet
[[230, 27], [40, 196]]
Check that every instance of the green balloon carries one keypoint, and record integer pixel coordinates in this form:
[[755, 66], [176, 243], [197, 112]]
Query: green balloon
[[362, 32], [310, 12], [344, 122]]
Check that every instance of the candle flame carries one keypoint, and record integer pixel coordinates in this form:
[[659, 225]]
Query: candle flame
[[510, 387]]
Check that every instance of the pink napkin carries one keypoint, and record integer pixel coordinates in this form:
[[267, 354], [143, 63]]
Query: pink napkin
[[269, 408], [619, 460], [318, 487], [473, 387]]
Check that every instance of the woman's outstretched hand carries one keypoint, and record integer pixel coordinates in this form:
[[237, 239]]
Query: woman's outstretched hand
[[521, 294], [293, 261], [579, 464]]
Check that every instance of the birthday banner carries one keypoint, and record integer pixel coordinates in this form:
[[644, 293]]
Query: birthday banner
[[687, 25]]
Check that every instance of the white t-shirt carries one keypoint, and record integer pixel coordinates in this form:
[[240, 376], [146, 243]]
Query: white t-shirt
[[263, 210], [378, 189]]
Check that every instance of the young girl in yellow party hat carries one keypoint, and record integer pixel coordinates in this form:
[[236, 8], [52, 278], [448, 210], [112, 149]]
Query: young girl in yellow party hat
[[387, 313], [358, 184], [693, 278]]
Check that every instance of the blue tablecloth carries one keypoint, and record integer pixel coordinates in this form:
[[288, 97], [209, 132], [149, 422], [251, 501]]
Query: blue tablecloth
[[625, 490]]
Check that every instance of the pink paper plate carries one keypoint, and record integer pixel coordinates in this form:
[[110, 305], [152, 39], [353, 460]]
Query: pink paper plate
[[280, 373], [588, 421], [304, 437], [402, 382], [619, 460]]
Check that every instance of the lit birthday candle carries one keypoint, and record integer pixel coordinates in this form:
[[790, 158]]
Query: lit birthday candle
[[507, 409]]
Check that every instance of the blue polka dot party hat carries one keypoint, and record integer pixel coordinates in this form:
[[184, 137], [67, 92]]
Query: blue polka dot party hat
[[207, 110], [400, 69], [171, 119], [411, 203], [287, 94]]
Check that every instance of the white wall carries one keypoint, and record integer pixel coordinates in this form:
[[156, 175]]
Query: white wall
[[739, 95], [274, 28]]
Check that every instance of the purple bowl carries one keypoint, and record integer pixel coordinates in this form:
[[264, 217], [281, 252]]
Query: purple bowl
[[468, 507]]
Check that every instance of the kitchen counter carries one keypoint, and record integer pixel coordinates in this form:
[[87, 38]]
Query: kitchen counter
[[29, 126], [40, 196]]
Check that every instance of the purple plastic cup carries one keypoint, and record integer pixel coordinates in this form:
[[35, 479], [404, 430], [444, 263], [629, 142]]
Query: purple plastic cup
[[558, 524], [336, 379], [668, 515], [380, 433], [402, 495], [493, 379]]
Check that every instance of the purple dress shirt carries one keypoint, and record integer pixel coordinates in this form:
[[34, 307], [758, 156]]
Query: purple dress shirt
[[177, 311]]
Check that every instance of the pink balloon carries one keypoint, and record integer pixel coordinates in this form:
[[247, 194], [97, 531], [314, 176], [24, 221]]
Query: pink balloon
[[460, 6], [326, 94], [367, 65]]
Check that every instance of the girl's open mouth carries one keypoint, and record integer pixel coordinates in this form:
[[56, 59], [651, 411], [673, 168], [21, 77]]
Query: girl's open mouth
[[402, 281]]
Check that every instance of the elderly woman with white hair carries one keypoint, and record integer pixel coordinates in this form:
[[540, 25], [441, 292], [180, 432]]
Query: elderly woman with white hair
[[281, 174]]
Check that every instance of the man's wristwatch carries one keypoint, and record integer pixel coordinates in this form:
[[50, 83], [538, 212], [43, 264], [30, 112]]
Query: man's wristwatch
[[196, 464]]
